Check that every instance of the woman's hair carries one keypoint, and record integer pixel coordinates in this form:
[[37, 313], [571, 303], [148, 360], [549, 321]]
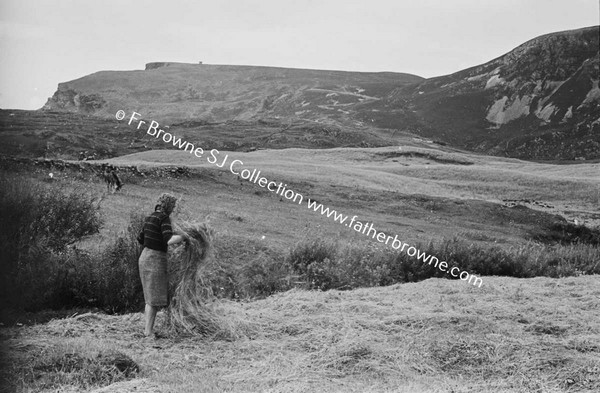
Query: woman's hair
[[166, 203]]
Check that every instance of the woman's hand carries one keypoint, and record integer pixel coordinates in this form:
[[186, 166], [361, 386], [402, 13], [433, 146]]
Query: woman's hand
[[175, 239]]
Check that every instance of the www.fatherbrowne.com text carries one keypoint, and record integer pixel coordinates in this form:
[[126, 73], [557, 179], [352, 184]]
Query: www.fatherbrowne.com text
[[253, 175]]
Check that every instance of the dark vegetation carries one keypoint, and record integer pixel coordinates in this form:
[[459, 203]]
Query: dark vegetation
[[568, 233], [71, 136], [43, 268], [39, 224], [333, 265]]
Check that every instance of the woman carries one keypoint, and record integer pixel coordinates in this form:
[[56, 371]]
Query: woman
[[156, 236]]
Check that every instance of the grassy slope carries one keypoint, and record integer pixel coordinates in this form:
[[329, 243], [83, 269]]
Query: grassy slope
[[454, 107], [435, 336], [374, 180], [419, 196]]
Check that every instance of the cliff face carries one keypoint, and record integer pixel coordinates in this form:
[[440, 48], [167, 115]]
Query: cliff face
[[71, 100], [539, 101]]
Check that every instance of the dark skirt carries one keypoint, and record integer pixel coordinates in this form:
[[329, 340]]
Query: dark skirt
[[153, 273]]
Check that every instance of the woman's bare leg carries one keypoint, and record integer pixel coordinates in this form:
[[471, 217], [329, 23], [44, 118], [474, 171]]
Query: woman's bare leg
[[150, 314]]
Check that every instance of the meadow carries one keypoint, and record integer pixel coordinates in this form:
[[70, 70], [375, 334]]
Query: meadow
[[351, 319]]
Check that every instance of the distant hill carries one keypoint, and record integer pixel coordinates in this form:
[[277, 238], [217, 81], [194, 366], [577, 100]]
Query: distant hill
[[175, 92], [539, 101]]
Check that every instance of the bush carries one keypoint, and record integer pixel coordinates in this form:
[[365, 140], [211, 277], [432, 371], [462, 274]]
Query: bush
[[108, 280], [310, 252], [247, 268], [39, 223], [263, 276], [111, 279], [326, 265], [35, 212], [566, 233]]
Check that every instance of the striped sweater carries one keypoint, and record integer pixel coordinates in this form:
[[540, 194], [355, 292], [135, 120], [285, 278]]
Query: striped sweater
[[156, 231]]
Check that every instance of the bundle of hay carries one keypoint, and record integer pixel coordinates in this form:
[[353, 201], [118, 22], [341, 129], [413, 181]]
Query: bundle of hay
[[193, 308]]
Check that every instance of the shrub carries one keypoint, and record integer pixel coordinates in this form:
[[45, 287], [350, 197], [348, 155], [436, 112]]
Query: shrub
[[112, 280], [566, 233], [309, 252], [39, 223], [247, 268], [263, 276], [352, 266], [325, 265], [328, 265]]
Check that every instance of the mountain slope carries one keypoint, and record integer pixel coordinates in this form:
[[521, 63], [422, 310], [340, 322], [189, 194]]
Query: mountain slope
[[539, 101]]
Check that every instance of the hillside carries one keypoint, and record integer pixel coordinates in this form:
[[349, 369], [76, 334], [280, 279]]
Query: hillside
[[66, 135], [175, 92], [509, 335], [540, 101]]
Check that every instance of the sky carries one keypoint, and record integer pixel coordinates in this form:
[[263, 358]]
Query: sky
[[45, 42]]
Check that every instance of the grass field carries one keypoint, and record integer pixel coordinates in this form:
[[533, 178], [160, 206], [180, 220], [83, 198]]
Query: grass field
[[511, 335], [514, 335], [400, 187]]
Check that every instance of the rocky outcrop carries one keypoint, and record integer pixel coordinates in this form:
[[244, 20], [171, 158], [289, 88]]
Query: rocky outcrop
[[71, 100]]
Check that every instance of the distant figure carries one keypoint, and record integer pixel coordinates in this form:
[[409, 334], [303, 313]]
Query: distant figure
[[113, 182]]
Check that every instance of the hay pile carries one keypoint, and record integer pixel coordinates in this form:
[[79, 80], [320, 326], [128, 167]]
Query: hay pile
[[193, 308]]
